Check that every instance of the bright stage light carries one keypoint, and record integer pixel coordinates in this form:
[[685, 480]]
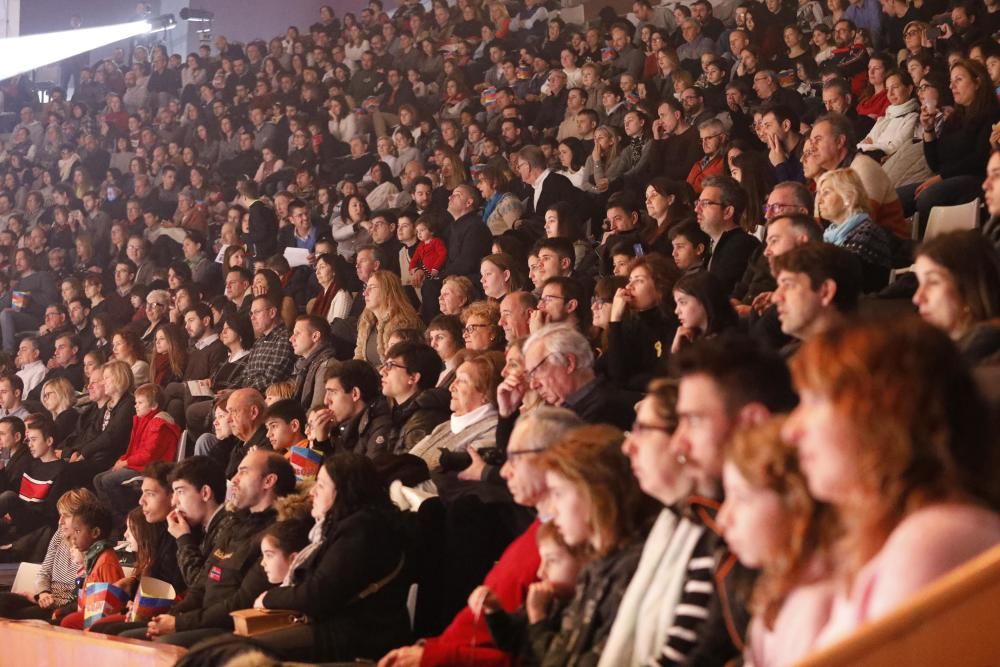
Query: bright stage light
[[23, 54]]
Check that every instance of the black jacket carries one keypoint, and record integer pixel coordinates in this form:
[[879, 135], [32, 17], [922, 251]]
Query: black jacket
[[102, 447], [262, 239], [416, 418], [368, 434], [10, 476], [469, 240], [231, 577], [639, 348], [192, 551], [555, 188], [731, 255], [352, 588], [258, 440]]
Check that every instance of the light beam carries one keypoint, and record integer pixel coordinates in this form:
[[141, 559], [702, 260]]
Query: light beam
[[24, 54]]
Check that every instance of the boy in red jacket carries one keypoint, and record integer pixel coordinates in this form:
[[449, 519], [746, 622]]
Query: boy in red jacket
[[154, 438]]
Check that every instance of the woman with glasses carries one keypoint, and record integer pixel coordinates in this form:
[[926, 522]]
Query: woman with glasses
[[386, 310], [59, 399], [157, 313], [481, 327], [641, 325], [473, 422]]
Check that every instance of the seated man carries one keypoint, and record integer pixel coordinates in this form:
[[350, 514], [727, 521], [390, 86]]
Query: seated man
[[409, 378], [356, 417], [231, 577], [466, 640]]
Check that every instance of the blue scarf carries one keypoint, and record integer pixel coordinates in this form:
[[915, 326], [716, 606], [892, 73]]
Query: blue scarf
[[490, 205], [837, 234]]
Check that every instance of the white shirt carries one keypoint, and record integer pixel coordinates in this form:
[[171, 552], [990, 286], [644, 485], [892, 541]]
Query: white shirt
[[32, 375], [537, 185], [205, 341]]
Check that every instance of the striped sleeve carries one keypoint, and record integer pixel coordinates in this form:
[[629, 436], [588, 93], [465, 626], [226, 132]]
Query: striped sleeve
[[693, 606]]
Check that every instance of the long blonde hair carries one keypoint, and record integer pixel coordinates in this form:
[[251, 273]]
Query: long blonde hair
[[401, 315]]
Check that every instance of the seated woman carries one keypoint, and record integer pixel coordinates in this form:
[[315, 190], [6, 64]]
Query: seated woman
[[703, 309], [500, 276], [473, 422], [959, 291], [560, 221], [349, 579], [598, 507], [896, 127], [501, 208], [267, 282], [105, 432], [841, 199], [481, 331], [444, 334], [386, 310], [334, 299], [169, 355], [958, 154], [772, 525], [641, 325], [893, 433], [59, 397], [127, 346]]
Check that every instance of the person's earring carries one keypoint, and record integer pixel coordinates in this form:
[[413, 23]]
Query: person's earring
[[682, 459]]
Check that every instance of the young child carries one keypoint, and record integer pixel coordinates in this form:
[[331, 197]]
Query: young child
[[89, 531], [285, 421], [772, 525], [34, 503], [154, 438], [431, 254], [279, 546], [526, 632], [143, 540]]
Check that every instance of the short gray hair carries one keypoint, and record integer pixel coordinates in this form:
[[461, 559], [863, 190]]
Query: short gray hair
[[563, 340], [713, 124], [547, 425], [533, 156]]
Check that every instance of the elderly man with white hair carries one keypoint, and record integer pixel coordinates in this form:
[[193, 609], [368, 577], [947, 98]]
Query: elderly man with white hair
[[559, 367]]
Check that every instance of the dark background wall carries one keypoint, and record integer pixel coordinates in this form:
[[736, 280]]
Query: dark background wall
[[238, 19]]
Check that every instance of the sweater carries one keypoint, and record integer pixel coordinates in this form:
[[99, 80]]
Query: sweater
[[481, 433], [104, 569], [38, 492], [154, 438]]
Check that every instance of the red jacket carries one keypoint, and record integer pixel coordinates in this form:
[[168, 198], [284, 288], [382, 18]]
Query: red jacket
[[154, 438], [430, 256], [468, 642]]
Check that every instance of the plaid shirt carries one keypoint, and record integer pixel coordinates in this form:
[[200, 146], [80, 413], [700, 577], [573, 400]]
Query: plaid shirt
[[270, 360]]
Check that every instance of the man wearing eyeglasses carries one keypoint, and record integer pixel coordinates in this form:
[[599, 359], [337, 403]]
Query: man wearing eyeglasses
[[719, 210], [467, 639], [387, 246], [409, 376], [559, 367], [713, 141]]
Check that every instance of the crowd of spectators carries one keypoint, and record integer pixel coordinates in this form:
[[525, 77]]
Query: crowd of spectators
[[626, 343]]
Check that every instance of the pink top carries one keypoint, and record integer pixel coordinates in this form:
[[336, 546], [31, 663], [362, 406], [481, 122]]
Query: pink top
[[926, 545], [803, 615]]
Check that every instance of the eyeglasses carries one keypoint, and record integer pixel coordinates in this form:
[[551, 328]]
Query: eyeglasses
[[530, 373], [551, 297], [638, 428], [471, 328], [369, 288], [710, 137], [598, 303], [387, 366], [513, 454], [777, 208], [701, 203]]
